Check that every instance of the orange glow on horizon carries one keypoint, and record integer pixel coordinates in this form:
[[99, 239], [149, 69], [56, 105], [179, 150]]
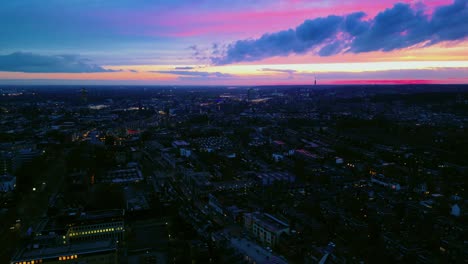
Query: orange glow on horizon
[[293, 69]]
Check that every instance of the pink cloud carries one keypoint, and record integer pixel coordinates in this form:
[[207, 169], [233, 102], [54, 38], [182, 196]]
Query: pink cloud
[[189, 22]]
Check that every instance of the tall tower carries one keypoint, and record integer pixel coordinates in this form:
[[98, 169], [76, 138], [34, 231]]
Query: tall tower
[[249, 94], [84, 95]]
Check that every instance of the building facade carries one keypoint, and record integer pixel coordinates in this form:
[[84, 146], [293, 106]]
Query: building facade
[[265, 227]]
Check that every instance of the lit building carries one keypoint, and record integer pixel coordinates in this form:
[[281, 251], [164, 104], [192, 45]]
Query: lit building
[[99, 252], [91, 237], [98, 225]]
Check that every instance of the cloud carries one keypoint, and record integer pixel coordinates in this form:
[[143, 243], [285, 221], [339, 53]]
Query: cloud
[[35, 63], [331, 49], [198, 54], [290, 73], [394, 28], [450, 22], [279, 70], [184, 68], [196, 73]]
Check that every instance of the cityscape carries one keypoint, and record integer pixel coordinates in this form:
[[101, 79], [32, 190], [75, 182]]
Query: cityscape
[[278, 174], [256, 132]]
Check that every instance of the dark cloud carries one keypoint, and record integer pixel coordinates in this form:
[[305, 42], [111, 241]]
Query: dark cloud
[[277, 44], [196, 73], [450, 22], [315, 31], [331, 49], [398, 27], [184, 68], [355, 25], [394, 28], [35, 63]]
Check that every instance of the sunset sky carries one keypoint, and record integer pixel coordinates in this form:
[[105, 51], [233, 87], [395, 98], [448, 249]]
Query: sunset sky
[[228, 42]]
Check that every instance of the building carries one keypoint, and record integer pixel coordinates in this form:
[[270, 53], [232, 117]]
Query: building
[[455, 210], [265, 227], [126, 175], [198, 183], [7, 183], [385, 182], [254, 253], [84, 238], [268, 178], [25, 156], [96, 225], [180, 144], [277, 157], [6, 162], [214, 203], [185, 152], [85, 226], [98, 252]]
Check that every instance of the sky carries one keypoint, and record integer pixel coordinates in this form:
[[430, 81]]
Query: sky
[[229, 42]]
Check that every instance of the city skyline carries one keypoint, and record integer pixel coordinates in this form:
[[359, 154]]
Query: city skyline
[[233, 43]]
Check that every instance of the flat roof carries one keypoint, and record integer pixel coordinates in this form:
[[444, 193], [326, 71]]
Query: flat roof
[[92, 215], [270, 222], [64, 250], [255, 251]]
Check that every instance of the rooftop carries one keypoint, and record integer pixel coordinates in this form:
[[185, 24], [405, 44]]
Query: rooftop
[[255, 252], [270, 222], [91, 247]]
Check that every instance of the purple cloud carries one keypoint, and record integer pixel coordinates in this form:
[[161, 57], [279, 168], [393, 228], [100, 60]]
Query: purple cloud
[[35, 63], [394, 28], [196, 73]]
